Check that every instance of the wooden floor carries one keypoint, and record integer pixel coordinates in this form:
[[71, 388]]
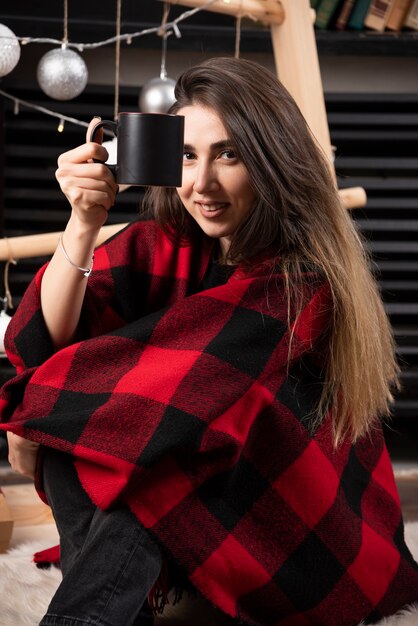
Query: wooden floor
[[32, 519]]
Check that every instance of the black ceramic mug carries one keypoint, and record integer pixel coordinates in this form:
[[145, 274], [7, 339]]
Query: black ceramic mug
[[149, 148]]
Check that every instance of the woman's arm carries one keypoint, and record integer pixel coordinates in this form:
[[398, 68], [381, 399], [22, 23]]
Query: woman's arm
[[91, 190]]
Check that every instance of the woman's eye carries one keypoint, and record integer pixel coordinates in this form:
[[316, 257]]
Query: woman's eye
[[228, 154], [188, 156]]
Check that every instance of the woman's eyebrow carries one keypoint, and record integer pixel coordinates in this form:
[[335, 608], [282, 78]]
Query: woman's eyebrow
[[218, 145]]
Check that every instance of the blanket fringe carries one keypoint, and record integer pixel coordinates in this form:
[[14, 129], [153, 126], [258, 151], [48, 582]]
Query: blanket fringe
[[158, 596]]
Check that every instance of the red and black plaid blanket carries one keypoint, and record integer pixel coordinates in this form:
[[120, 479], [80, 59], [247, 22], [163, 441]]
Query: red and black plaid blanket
[[190, 407]]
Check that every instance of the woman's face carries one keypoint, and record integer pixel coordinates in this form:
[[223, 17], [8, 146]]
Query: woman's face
[[216, 188]]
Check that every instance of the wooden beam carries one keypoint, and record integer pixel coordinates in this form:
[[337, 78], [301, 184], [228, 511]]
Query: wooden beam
[[353, 197], [29, 246], [266, 11], [297, 66], [44, 244]]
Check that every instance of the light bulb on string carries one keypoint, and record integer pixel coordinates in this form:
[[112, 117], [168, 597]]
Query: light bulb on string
[[157, 95], [60, 128], [9, 50]]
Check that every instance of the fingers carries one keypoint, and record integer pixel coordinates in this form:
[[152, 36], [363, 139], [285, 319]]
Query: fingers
[[84, 199], [89, 185], [22, 454], [94, 176], [83, 154], [90, 150]]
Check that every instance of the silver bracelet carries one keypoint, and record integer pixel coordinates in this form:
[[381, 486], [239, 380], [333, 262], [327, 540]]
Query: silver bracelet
[[86, 271]]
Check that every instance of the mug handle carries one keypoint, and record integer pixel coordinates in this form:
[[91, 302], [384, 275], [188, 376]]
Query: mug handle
[[113, 126]]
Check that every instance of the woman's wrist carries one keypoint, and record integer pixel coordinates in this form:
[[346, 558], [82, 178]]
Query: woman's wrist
[[86, 271], [76, 245], [81, 231]]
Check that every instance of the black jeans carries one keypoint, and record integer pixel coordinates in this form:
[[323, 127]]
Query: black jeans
[[108, 561]]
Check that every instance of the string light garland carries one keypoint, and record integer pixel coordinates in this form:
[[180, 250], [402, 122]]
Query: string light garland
[[19, 102], [169, 28], [126, 37]]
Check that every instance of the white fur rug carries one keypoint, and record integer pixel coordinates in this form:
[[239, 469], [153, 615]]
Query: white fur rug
[[25, 590]]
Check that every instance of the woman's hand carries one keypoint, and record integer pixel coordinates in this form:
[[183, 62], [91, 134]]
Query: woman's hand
[[89, 187], [22, 454]]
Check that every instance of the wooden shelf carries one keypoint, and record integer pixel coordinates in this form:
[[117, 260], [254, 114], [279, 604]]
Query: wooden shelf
[[205, 31], [367, 43], [221, 38]]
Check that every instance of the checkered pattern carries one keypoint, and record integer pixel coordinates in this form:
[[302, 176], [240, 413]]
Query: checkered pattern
[[190, 407]]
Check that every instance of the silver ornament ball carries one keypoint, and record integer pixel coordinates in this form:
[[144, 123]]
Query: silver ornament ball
[[62, 74], [157, 95], [9, 50]]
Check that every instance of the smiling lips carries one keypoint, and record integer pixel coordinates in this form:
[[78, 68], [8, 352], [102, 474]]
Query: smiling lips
[[211, 208]]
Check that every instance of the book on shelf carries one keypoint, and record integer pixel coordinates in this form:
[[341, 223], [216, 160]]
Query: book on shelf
[[344, 14], [378, 14], [398, 14], [358, 14], [325, 11], [411, 20]]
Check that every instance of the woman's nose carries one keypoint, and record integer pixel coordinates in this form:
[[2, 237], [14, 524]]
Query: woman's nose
[[205, 179]]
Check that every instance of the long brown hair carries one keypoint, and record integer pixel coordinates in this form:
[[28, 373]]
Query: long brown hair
[[298, 218]]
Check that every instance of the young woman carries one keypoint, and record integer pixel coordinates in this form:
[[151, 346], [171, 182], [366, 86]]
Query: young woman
[[208, 399]]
